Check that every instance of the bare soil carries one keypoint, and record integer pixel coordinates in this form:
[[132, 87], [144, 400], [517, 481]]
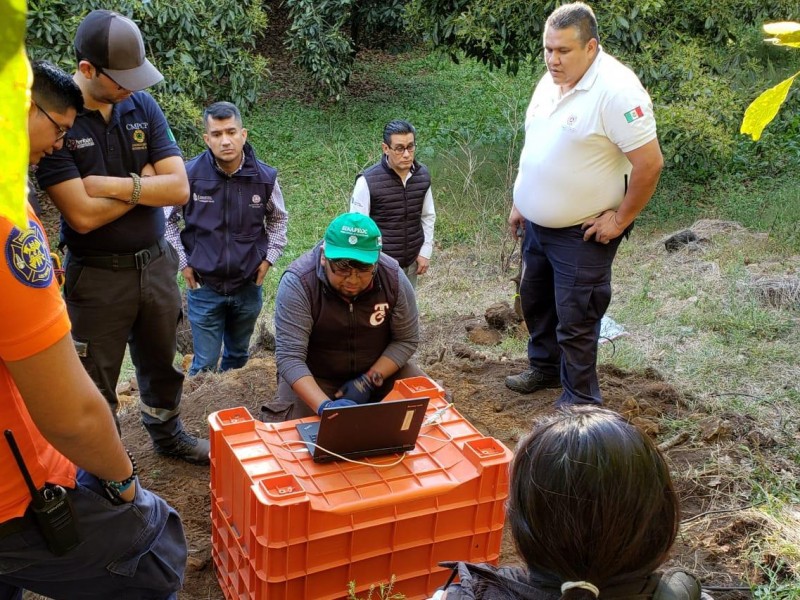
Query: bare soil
[[715, 545]]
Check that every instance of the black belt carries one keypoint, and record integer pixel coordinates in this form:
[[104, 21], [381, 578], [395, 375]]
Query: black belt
[[116, 262], [14, 525]]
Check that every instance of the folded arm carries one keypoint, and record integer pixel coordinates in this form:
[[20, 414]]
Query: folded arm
[[169, 186]]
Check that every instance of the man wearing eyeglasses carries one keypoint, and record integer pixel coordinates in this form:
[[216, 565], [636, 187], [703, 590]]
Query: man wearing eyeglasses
[[396, 193], [346, 323], [49, 116], [119, 166]]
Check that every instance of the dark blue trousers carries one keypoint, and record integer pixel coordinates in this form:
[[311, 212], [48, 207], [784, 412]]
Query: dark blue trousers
[[565, 290], [133, 551]]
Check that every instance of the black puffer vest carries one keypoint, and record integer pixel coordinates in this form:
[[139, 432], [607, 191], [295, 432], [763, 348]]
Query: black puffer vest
[[347, 337], [486, 582], [397, 208]]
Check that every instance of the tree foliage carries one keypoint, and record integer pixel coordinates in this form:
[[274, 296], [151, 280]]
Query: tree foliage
[[325, 35], [765, 108], [697, 58], [190, 41]]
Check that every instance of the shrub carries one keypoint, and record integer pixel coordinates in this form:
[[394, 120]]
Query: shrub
[[188, 40], [317, 36]]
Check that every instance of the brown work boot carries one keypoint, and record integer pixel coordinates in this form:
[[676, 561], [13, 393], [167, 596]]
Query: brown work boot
[[531, 380]]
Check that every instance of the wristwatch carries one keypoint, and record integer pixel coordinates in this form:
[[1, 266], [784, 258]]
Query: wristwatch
[[375, 378]]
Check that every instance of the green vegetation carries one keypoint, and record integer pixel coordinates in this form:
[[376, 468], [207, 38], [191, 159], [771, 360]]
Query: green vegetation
[[701, 60], [189, 41], [382, 591]]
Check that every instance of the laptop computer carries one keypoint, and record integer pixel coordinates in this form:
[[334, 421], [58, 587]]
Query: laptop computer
[[364, 430]]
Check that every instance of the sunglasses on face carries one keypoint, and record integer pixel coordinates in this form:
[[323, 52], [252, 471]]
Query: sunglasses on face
[[344, 267]]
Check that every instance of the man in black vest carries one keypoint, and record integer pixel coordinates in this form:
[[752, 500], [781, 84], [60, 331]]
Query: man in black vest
[[396, 193], [346, 323]]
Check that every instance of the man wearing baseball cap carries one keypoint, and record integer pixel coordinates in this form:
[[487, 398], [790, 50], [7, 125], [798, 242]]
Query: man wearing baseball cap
[[346, 323], [119, 166]]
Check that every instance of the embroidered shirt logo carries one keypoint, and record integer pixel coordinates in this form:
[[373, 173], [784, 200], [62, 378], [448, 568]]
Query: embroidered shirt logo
[[139, 140], [78, 144], [28, 256], [256, 199], [632, 115], [379, 316]]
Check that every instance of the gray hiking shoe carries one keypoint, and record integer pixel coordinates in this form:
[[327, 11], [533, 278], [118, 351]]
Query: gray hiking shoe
[[531, 380], [186, 447]]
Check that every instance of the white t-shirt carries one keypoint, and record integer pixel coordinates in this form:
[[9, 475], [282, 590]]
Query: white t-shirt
[[573, 165]]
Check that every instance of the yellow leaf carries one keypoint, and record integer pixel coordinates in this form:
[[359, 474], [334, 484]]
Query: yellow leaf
[[15, 78], [786, 33], [781, 28], [764, 108]]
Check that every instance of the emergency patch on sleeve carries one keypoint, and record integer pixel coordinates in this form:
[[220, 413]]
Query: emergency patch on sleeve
[[28, 256]]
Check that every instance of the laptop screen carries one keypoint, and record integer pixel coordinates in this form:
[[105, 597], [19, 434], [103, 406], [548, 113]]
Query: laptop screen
[[364, 430]]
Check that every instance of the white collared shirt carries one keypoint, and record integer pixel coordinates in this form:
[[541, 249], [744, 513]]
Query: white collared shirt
[[573, 164]]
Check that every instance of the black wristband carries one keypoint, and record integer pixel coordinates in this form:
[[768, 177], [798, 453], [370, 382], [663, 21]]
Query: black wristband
[[115, 488]]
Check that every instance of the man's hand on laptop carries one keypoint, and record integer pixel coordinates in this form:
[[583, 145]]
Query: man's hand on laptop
[[338, 403], [359, 390]]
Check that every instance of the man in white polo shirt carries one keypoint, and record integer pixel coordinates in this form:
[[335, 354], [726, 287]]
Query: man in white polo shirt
[[590, 164]]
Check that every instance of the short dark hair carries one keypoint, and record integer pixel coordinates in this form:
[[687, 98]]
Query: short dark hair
[[591, 499], [577, 15], [222, 110], [396, 127], [54, 89]]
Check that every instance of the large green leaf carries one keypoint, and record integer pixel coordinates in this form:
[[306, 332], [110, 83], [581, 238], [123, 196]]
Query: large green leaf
[[764, 108], [15, 76]]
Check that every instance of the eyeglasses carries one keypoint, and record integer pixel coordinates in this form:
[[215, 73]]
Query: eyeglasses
[[62, 131], [101, 72], [345, 267], [400, 150]]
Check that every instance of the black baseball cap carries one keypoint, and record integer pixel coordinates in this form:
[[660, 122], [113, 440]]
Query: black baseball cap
[[114, 43]]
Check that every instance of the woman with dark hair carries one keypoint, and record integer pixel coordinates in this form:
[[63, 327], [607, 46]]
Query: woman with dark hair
[[593, 514]]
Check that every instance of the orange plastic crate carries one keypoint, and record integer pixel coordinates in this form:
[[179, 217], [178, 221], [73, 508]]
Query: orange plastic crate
[[286, 528]]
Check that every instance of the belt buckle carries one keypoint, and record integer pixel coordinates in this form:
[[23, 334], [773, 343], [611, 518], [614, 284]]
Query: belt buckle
[[143, 258]]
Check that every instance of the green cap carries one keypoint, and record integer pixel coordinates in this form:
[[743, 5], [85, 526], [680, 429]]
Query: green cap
[[353, 236]]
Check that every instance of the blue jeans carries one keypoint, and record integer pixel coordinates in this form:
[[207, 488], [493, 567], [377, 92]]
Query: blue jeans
[[133, 551], [564, 291], [219, 320]]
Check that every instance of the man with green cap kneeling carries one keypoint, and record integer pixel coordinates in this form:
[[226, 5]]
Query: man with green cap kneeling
[[346, 323]]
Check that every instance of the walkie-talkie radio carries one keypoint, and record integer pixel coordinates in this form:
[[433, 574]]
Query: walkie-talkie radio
[[51, 507]]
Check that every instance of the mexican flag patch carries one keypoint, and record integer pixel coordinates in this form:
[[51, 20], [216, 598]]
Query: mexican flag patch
[[632, 115]]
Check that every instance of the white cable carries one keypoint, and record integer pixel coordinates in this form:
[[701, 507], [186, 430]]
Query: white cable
[[400, 459]]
